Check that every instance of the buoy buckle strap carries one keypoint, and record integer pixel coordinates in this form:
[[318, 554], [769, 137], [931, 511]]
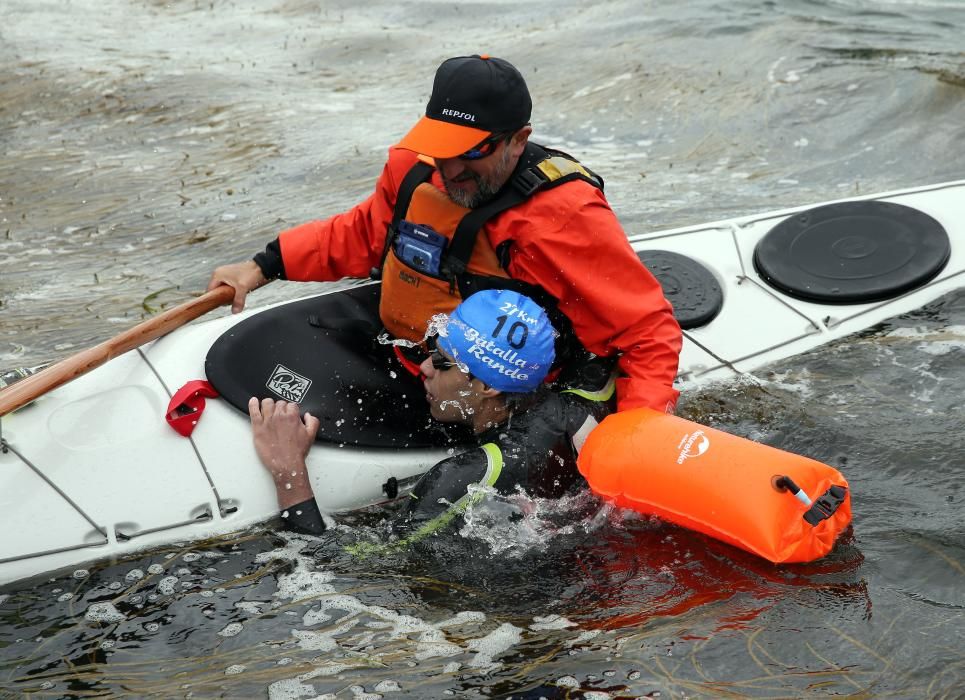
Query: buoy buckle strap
[[826, 505]]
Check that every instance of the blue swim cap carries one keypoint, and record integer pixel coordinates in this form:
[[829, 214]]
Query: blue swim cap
[[504, 338]]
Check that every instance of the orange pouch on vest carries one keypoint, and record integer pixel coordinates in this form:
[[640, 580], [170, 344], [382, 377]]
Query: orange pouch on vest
[[411, 296]]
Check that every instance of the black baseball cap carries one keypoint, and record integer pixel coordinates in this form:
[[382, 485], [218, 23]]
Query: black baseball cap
[[472, 98]]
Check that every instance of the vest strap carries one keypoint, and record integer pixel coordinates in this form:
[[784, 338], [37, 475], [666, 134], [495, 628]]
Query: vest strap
[[527, 182], [464, 239], [418, 173], [539, 168]]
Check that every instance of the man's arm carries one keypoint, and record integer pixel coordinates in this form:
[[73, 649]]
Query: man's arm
[[346, 245], [349, 244], [282, 440], [580, 254]]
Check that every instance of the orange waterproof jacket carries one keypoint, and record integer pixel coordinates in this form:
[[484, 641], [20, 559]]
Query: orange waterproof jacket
[[565, 239]]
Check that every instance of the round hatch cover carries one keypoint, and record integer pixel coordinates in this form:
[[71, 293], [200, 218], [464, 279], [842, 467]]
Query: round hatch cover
[[852, 252], [690, 287]]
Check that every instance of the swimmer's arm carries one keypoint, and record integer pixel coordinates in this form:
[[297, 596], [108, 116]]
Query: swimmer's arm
[[304, 517], [282, 439], [445, 491]]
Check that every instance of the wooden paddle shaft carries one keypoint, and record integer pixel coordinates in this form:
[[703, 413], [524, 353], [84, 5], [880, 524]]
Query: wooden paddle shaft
[[68, 369]]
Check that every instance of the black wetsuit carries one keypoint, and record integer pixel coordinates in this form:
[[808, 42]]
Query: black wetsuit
[[536, 450]]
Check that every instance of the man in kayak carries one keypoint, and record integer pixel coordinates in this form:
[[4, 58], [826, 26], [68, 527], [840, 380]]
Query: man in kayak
[[487, 370], [466, 202]]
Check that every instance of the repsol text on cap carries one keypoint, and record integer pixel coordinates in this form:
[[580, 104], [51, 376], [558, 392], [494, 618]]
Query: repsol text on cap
[[472, 98]]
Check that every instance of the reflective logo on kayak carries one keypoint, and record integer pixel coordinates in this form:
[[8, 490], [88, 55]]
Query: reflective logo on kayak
[[289, 385], [692, 445]]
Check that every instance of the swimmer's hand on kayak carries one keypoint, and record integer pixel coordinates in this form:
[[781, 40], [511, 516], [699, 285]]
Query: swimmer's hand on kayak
[[282, 438], [243, 277]]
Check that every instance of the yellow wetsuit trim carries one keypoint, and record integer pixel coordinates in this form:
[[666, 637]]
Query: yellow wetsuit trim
[[494, 467], [604, 394]]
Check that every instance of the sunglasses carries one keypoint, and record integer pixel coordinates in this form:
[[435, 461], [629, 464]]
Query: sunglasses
[[440, 362], [486, 148]]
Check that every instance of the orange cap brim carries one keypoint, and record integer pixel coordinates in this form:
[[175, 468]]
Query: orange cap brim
[[437, 139]]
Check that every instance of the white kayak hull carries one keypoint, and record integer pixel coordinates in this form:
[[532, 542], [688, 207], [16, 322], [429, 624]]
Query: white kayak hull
[[93, 471]]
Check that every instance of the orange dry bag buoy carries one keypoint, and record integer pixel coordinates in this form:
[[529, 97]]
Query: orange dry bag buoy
[[755, 497]]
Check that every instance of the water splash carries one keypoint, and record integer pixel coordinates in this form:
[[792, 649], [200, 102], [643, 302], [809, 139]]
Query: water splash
[[436, 326], [519, 524]]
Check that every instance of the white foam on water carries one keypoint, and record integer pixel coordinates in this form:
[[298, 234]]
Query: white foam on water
[[250, 607], [954, 335], [938, 348], [290, 689], [303, 582], [232, 629], [495, 520], [315, 641], [346, 603], [383, 625], [584, 637], [613, 82], [104, 612], [462, 618], [166, 585], [440, 649], [772, 70], [551, 622], [497, 642], [797, 381]]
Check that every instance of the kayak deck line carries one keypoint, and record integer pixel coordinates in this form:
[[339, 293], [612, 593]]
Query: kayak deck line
[[105, 464], [6, 447], [832, 323], [828, 324], [224, 507]]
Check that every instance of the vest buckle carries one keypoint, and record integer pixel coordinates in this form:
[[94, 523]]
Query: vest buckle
[[528, 181]]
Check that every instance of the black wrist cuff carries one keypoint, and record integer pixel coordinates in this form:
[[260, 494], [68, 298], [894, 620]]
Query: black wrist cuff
[[304, 517], [270, 262]]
